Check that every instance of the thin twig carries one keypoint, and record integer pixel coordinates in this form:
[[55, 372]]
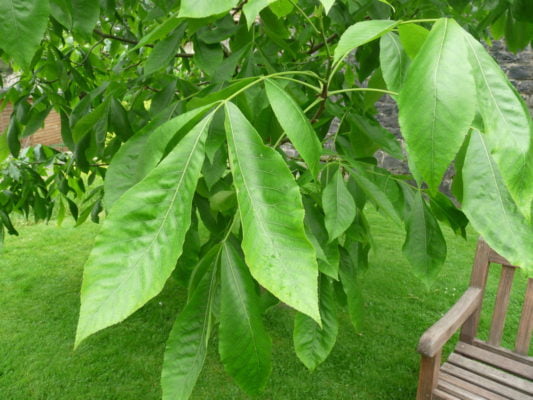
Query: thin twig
[[134, 42]]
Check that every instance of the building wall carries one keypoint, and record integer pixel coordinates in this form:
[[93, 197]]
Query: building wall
[[49, 134]]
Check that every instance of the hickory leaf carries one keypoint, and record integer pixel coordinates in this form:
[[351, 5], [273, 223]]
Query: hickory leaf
[[339, 206], [22, 26], [147, 145], [244, 345], [186, 347], [296, 125], [205, 8], [278, 253], [141, 239], [393, 60], [487, 200], [507, 124], [312, 342], [359, 34], [437, 103], [424, 245]]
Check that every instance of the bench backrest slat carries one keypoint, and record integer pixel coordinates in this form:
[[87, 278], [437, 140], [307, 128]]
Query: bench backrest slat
[[525, 328], [501, 305]]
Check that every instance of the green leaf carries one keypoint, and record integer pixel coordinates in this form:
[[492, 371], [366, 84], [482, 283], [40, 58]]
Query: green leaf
[[85, 14], [379, 195], [164, 51], [205, 8], [338, 204], [186, 347], [141, 239], [507, 125], [89, 121], [352, 263], [278, 253], [437, 103], [139, 155], [359, 34], [13, 137], [374, 131], [160, 31], [313, 343], [393, 60], [4, 147], [22, 26], [424, 245], [208, 57], [296, 125], [412, 37], [490, 208], [327, 5], [244, 345], [252, 9], [327, 253]]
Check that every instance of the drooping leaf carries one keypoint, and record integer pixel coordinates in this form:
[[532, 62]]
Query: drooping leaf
[[437, 103], [359, 34], [327, 253], [164, 51], [160, 31], [352, 262], [412, 37], [313, 343], [22, 26], [244, 345], [205, 8], [381, 197], [186, 346], [490, 208], [279, 255], [141, 240], [327, 5], [296, 125], [507, 125], [424, 245], [393, 60], [89, 121], [339, 206], [139, 155], [252, 9], [4, 148], [85, 14]]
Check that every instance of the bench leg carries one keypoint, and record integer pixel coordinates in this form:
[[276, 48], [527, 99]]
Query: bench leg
[[429, 375]]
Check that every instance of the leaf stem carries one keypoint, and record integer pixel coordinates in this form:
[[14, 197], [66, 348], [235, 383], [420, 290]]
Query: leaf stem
[[363, 90], [315, 88], [305, 16], [414, 21]]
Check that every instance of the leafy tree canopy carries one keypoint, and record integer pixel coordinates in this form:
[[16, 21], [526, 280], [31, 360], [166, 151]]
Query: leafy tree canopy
[[209, 124]]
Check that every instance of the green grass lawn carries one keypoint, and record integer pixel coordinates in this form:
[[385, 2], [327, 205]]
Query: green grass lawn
[[40, 278]]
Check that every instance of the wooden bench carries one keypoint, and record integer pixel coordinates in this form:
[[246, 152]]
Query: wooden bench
[[476, 369]]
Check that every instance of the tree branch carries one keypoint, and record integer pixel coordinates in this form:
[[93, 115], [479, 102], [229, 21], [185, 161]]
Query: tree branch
[[320, 45], [134, 42]]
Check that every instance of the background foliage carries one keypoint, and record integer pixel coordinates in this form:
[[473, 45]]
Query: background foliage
[[186, 110]]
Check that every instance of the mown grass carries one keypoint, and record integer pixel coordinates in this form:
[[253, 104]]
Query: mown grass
[[40, 277]]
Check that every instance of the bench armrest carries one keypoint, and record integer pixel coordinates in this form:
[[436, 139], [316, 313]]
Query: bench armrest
[[435, 337]]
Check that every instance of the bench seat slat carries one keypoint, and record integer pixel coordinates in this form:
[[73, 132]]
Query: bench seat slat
[[504, 352], [441, 395], [515, 367], [488, 384], [492, 373], [470, 387]]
